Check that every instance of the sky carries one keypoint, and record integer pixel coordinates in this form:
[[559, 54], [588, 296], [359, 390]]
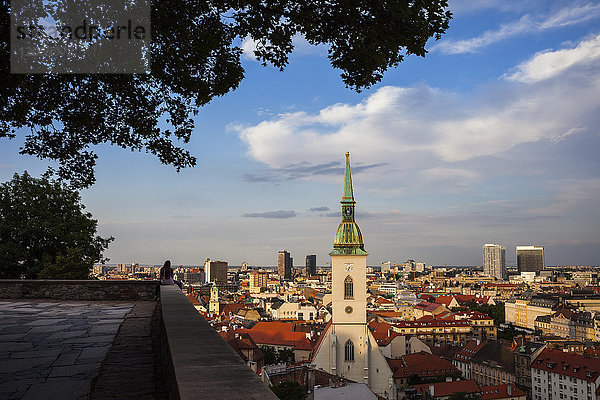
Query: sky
[[493, 137]]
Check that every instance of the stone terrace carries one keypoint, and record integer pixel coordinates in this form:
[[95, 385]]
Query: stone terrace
[[130, 348], [56, 349]]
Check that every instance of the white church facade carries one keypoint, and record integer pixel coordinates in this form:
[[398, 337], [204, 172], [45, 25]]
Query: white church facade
[[347, 348]]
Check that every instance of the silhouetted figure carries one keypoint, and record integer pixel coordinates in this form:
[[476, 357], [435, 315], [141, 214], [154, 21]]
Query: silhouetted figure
[[166, 275]]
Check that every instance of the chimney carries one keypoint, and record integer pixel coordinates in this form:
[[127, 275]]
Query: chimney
[[509, 389], [432, 390]]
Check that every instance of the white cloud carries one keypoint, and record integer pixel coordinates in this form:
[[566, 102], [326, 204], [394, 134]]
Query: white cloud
[[547, 64], [248, 46], [434, 134], [301, 47], [526, 24]]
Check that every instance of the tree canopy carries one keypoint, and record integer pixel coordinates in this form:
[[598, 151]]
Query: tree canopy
[[44, 231], [195, 56]]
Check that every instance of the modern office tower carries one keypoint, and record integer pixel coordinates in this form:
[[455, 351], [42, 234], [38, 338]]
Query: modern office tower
[[530, 258], [284, 265], [311, 265], [215, 271], [244, 266], [494, 260]]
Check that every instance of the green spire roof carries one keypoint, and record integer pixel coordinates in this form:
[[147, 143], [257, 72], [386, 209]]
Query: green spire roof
[[348, 195], [348, 237]]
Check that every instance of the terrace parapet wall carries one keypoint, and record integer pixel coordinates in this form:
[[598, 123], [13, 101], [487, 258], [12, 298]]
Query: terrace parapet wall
[[93, 290]]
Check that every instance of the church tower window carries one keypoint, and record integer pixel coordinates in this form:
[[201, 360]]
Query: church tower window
[[349, 351], [348, 288]]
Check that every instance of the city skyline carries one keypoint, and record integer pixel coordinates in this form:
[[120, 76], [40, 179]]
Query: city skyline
[[492, 138]]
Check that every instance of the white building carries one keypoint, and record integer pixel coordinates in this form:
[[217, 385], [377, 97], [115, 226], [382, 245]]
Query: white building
[[295, 310], [557, 375], [494, 260], [347, 348]]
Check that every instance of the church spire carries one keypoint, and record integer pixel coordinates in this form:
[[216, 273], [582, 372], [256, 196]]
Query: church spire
[[348, 237], [348, 195]]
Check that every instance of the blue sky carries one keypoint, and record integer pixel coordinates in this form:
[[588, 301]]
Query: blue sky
[[492, 138]]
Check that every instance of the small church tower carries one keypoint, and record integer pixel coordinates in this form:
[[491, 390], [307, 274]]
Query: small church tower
[[348, 348], [213, 306]]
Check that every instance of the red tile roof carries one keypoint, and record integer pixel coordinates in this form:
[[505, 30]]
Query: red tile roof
[[421, 364], [574, 365], [468, 350], [445, 300], [382, 332], [427, 306], [430, 323], [296, 340], [500, 392], [443, 389], [275, 326]]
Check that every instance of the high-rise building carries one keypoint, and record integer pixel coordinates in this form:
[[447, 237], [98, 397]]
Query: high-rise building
[[215, 271], [244, 266], [530, 258], [258, 280], [348, 348], [494, 260], [284, 265], [311, 265]]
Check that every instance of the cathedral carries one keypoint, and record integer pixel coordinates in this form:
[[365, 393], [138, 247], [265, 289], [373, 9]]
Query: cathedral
[[347, 348]]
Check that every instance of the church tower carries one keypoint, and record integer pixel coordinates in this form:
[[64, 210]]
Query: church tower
[[213, 305], [348, 348], [348, 290]]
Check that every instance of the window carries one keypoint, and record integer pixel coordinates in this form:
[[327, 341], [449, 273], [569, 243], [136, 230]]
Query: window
[[301, 316], [348, 288], [349, 351]]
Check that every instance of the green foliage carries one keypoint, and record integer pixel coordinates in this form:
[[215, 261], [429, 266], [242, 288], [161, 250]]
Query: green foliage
[[285, 356], [495, 311], [289, 390], [273, 356], [44, 231], [195, 56]]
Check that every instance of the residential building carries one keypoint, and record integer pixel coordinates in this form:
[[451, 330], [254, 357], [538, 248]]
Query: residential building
[[558, 375], [284, 265], [530, 258], [311, 265], [194, 275], [259, 280], [494, 263], [425, 366], [435, 332], [295, 310], [523, 310], [462, 358], [494, 364], [525, 352], [215, 271]]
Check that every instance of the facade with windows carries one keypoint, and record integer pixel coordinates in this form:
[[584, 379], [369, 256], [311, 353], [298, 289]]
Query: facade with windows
[[494, 263], [296, 311], [556, 375]]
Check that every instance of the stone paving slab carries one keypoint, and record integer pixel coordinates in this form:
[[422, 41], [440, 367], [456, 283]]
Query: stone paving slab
[[53, 350]]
